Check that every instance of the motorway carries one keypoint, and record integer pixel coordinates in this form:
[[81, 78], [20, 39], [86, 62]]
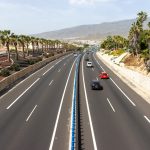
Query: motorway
[[114, 118], [36, 113]]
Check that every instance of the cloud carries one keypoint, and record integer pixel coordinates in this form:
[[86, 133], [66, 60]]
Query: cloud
[[80, 2]]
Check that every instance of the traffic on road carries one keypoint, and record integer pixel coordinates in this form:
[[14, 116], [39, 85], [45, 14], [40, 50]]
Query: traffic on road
[[74, 102]]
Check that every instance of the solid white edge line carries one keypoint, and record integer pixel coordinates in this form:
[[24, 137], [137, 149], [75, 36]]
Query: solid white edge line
[[22, 93], [48, 70], [110, 105], [123, 92], [31, 113], [59, 70], [147, 119], [58, 62], [58, 114], [118, 87], [51, 82], [98, 63], [30, 76], [88, 109]]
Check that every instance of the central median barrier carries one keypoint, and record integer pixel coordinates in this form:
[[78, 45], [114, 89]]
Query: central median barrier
[[74, 112]]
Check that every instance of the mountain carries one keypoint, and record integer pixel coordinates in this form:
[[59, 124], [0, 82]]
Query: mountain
[[91, 32]]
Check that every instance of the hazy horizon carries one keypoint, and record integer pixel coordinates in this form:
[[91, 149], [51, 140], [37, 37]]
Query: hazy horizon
[[32, 17]]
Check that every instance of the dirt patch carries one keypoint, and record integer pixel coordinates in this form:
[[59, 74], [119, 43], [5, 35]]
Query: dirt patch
[[135, 63], [1, 78]]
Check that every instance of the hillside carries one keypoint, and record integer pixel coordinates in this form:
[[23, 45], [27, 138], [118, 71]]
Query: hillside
[[95, 31]]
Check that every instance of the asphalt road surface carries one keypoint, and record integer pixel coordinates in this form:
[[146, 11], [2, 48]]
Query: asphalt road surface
[[115, 118], [36, 113]]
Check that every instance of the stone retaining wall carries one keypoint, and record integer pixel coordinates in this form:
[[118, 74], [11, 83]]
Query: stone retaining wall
[[8, 81]]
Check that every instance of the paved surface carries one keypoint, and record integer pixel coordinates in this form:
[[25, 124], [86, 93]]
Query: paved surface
[[36, 113], [136, 80], [28, 113], [118, 120]]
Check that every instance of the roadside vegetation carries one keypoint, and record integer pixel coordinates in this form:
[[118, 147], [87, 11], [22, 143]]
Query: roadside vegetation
[[137, 43], [23, 50]]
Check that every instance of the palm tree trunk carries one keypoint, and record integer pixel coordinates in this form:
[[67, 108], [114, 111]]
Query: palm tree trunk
[[16, 50], [23, 51], [33, 48], [27, 50], [8, 51], [42, 48]]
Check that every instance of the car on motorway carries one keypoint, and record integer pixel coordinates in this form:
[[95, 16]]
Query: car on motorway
[[89, 64], [104, 75], [75, 55], [113, 58], [86, 59], [95, 85]]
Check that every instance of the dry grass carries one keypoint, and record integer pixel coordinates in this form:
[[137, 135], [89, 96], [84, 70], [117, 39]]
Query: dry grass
[[133, 61], [136, 64]]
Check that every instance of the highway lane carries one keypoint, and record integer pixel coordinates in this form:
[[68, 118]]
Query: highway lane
[[142, 105], [116, 123], [64, 125], [29, 122]]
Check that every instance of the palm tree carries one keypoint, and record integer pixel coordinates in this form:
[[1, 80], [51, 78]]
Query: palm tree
[[14, 40], [27, 41], [149, 25], [5, 39], [41, 41], [22, 39], [37, 43], [135, 32], [142, 16], [33, 44]]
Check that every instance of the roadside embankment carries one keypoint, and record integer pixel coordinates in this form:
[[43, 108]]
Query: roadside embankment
[[10, 80], [138, 82]]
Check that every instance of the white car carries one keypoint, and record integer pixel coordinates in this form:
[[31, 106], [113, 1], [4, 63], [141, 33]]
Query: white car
[[89, 64], [75, 55]]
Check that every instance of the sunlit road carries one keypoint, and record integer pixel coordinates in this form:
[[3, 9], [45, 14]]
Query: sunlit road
[[118, 115], [36, 114], [29, 114]]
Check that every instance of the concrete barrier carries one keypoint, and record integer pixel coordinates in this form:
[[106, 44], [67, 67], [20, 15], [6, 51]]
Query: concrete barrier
[[8, 81]]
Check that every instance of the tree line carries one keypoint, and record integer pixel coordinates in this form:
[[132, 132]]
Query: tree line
[[9, 39], [137, 41]]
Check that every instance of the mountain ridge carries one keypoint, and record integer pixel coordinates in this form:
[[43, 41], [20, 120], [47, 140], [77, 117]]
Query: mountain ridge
[[91, 31]]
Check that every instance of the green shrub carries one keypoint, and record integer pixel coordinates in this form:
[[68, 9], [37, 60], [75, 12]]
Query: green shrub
[[39, 59], [117, 52], [15, 67], [145, 53], [35, 60], [4, 72], [49, 55], [31, 61]]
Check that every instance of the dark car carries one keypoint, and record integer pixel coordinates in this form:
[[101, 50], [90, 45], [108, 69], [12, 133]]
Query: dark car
[[95, 85], [86, 59]]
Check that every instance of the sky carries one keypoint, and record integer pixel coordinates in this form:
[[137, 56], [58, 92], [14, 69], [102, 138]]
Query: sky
[[36, 16]]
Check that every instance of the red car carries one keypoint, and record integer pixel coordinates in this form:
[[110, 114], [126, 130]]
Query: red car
[[104, 75]]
